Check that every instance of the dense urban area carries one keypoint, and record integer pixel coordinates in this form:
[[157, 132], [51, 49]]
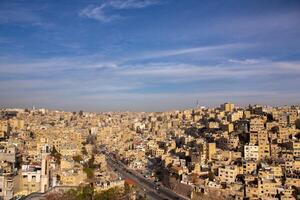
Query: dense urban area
[[227, 152]]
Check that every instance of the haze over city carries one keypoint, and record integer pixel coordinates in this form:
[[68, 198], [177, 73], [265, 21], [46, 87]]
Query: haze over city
[[148, 55]]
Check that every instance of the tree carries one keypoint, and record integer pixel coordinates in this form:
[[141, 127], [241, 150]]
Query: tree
[[54, 196], [82, 193], [77, 158], [56, 155], [84, 151], [31, 134], [111, 194], [89, 167], [222, 143], [275, 129], [270, 117], [87, 193], [89, 172], [297, 123], [211, 176], [91, 162]]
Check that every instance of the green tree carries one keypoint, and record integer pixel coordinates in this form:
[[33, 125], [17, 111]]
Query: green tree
[[89, 172], [88, 193], [77, 158], [56, 155]]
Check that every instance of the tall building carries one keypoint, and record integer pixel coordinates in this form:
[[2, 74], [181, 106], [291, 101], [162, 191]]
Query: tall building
[[256, 127], [45, 169], [227, 107], [211, 150]]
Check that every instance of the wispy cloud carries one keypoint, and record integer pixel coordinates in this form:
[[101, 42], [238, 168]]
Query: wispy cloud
[[114, 79], [103, 12], [98, 13], [117, 82], [94, 69], [95, 61], [175, 72], [131, 4], [55, 64], [245, 61], [212, 49], [250, 26]]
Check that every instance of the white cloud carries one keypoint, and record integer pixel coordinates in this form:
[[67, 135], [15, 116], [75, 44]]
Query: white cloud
[[131, 4], [118, 86], [10, 65], [190, 72], [55, 64], [103, 13], [246, 61], [98, 13], [213, 49], [93, 67]]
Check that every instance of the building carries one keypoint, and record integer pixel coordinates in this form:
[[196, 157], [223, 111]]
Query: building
[[211, 150], [227, 174], [251, 152], [227, 107]]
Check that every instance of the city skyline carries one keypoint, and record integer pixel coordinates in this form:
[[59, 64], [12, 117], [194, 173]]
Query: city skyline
[[148, 55]]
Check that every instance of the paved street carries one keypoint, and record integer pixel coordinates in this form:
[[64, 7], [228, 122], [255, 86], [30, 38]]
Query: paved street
[[151, 189]]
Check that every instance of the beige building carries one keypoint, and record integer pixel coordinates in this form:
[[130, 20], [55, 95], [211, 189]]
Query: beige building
[[251, 152], [227, 107], [227, 174], [29, 180], [72, 178], [4, 128], [249, 166], [211, 150], [296, 148], [6, 186]]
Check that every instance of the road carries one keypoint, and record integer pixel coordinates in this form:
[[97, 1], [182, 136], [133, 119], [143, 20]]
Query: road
[[151, 189]]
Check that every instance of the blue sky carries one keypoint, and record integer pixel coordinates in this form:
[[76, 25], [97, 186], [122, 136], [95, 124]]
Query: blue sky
[[148, 55]]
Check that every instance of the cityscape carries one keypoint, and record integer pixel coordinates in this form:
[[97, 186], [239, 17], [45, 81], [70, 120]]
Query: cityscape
[[149, 100], [226, 152]]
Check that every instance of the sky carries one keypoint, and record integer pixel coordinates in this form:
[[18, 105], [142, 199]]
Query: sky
[[148, 55]]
